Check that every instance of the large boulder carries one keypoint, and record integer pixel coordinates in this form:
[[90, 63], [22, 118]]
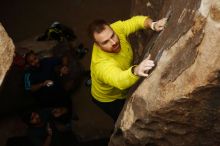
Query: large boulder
[[6, 52], [179, 103]]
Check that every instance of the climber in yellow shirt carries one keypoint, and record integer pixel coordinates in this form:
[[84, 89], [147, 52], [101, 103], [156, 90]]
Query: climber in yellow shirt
[[112, 72]]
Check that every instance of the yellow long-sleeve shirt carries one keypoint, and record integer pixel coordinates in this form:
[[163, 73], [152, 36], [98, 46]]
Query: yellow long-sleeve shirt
[[111, 72]]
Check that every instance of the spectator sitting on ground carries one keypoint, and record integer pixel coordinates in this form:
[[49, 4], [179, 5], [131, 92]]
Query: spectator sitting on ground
[[43, 131], [43, 82]]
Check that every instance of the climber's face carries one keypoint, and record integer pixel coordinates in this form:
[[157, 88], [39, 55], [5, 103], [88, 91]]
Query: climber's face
[[108, 40]]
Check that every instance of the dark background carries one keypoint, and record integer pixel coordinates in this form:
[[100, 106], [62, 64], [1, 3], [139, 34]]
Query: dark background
[[26, 19]]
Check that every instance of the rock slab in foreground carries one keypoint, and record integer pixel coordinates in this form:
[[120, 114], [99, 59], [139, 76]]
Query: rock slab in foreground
[[179, 104]]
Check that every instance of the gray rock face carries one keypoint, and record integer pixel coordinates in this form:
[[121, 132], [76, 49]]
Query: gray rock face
[[179, 103], [6, 52]]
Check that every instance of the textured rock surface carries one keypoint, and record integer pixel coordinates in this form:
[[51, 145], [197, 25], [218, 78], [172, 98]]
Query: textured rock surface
[[179, 104], [6, 52]]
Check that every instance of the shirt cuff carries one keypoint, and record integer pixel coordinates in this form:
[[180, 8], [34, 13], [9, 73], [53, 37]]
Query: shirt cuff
[[131, 74]]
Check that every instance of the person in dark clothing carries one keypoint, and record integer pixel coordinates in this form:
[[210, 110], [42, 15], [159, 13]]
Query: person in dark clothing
[[43, 82], [43, 130], [40, 132]]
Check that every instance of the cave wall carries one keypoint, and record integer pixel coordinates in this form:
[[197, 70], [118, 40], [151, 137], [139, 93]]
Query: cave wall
[[178, 104]]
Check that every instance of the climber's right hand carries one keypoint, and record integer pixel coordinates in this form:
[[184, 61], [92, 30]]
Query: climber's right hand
[[143, 68]]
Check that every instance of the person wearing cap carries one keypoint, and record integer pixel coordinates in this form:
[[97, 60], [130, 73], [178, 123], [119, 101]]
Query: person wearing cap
[[112, 72]]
